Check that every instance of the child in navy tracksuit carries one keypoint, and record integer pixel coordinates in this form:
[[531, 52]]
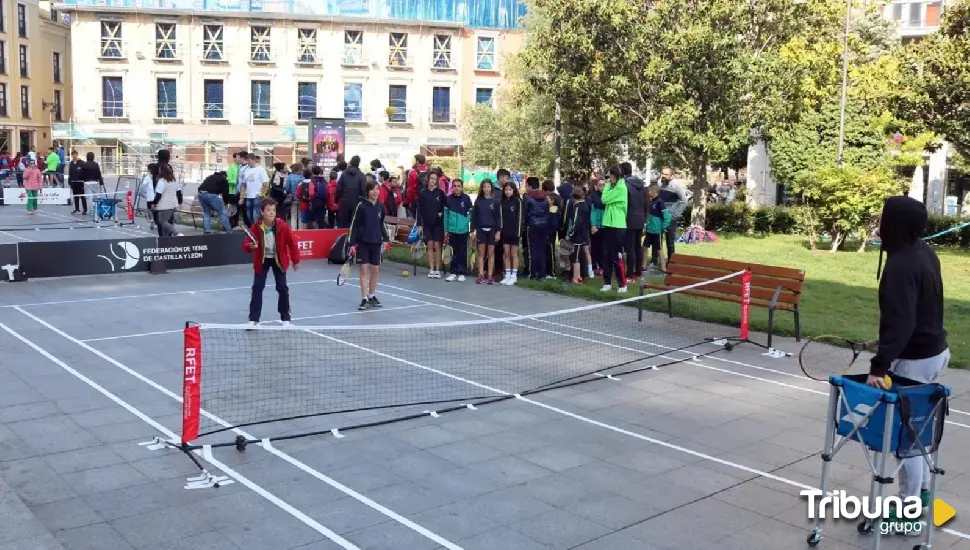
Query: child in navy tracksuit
[[577, 231], [458, 207], [486, 223], [367, 236], [431, 223], [537, 229]]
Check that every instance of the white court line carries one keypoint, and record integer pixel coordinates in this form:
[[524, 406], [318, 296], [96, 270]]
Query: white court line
[[597, 423], [308, 521], [688, 361], [269, 448], [294, 319], [81, 221], [12, 236], [67, 217]]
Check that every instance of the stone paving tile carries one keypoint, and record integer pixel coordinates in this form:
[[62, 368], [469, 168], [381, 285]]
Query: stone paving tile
[[694, 526], [106, 478], [283, 533], [39, 542], [560, 529], [502, 538], [66, 514], [449, 523], [466, 452], [390, 534], [93, 537]]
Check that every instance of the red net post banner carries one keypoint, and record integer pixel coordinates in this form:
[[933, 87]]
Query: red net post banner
[[745, 303], [130, 203], [191, 383]]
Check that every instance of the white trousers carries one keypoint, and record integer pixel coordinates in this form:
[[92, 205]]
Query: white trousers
[[914, 475]]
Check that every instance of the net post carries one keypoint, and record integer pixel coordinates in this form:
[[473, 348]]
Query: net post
[[191, 382], [745, 303]]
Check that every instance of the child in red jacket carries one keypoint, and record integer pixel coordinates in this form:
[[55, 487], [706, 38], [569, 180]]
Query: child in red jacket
[[275, 248]]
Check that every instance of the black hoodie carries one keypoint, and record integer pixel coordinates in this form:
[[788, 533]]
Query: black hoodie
[[351, 187], [636, 206], [911, 288]]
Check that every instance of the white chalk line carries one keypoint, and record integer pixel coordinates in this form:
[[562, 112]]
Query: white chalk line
[[275, 500], [318, 475]]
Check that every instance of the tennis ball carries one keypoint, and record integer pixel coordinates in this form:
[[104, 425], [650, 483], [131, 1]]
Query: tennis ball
[[405, 273], [887, 381]]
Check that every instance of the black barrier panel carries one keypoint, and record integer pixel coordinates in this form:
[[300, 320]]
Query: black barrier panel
[[200, 251], [100, 257], [8, 262]]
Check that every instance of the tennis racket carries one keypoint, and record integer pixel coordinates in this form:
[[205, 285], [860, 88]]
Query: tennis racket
[[249, 234], [565, 249], [824, 356], [418, 249], [446, 254], [345, 269]]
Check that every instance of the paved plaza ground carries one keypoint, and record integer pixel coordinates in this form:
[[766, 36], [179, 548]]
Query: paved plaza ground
[[708, 453]]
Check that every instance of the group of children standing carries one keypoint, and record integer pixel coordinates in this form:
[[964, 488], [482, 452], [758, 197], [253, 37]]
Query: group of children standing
[[592, 217]]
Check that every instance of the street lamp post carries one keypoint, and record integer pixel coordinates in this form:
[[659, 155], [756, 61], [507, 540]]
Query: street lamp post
[[845, 79]]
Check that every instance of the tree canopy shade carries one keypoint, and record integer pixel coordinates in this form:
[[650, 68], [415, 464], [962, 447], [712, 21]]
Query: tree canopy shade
[[936, 80]]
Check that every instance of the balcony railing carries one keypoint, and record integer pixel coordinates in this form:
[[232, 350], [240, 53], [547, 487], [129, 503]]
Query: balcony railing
[[113, 109], [214, 111], [167, 109], [444, 116]]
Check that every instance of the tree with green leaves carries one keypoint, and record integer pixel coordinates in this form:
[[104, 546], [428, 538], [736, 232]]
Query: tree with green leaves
[[935, 83]]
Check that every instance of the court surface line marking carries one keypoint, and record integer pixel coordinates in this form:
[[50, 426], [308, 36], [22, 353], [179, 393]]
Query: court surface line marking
[[412, 306], [269, 448], [275, 500], [591, 421], [12, 236], [134, 232], [685, 360]]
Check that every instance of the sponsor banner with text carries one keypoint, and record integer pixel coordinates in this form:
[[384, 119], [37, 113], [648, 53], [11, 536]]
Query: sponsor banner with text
[[8, 262], [95, 257], [199, 251], [48, 195], [315, 244]]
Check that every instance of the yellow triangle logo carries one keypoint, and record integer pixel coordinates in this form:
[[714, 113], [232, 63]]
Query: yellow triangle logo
[[942, 512]]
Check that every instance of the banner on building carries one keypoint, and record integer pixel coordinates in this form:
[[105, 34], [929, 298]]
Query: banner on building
[[327, 140]]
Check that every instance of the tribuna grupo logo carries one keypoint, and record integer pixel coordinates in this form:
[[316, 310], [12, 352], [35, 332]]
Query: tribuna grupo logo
[[902, 515]]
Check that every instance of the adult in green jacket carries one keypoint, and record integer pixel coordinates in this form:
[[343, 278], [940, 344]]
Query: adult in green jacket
[[614, 229]]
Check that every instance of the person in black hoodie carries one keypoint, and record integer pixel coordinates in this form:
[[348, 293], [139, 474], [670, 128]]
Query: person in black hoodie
[[511, 234], [431, 223], [912, 340], [554, 226], [486, 223], [76, 183], [351, 190], [537, 227], [636, 216], [367, 236]]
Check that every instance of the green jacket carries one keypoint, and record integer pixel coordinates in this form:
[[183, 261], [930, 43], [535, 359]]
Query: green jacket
[[232, 174], [615, 200], [656, 225]]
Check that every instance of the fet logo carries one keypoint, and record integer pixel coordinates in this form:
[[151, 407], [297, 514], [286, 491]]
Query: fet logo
[[306, 248]]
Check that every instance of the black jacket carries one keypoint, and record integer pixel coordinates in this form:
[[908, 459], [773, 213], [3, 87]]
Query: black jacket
[[636, 205], [74, 170], [578, 223], [511, 219], [431, 208], [216, 184], [367, 226], [351, 187], [911, 288], [536, 209], [90, 171], [486, 213]]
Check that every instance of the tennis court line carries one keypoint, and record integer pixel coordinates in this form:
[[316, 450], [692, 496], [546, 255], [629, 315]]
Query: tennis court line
[[275, 500], [688, 361], [12, 236], [268, 447], [616, 429], [104, 338], [133, 232]]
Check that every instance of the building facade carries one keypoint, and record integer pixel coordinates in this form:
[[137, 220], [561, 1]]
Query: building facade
[[210, 82], [35, 77]]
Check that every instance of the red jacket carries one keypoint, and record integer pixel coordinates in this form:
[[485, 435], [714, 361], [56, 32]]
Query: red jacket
[[333, 201], [286, 249], [411, 194]]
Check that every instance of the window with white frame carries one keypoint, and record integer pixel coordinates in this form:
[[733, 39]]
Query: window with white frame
[[260, 100], [57, 67], [165, 46], [441, 105], [212, 43], [259, 44], [306, 100], [22, 20], [24, 62], [111, 39], [399, 49], [354, 48], [307, 45], [166, 98], [442, 52], [397, 100], [58, 105], [353, 96], [485, 53], [25, 101], [3, 99], [483, 96], [213, 106], [112, 97], [3, 57]]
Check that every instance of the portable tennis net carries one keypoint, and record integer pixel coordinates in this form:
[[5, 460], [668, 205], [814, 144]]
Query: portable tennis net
[[243, 384]]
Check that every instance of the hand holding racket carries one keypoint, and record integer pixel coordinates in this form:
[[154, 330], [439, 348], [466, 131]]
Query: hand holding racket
[[446, 254], [348, 266], [828, 355], [252, 238]]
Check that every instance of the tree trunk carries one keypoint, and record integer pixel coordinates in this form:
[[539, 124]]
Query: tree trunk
[[698, 213], [837, 239], [813, 242]]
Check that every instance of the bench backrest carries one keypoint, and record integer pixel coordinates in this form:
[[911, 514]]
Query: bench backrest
[[403, 227], [685, 270]]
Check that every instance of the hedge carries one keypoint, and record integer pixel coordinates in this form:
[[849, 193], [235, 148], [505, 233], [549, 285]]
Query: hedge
[[740, 218]]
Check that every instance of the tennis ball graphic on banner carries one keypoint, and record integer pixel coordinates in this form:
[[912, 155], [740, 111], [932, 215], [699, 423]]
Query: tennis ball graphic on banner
[[126, 252]]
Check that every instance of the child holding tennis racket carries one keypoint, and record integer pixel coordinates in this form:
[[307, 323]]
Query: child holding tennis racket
[[457, 219], [367, 236], [273, 247], [431, 223], [577, 231]]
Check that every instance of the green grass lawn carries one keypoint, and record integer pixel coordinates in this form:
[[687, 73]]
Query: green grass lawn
[[839, 295]]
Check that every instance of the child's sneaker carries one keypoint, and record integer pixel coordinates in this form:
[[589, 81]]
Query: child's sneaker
[[925, 497], [363, 304], [253, 324], [491, 281], [606, 288], [621, 290], [431, 274], [515, 279], [548, 278], [479, 280], [461, 278], [437, 274], [372, 302], [286, 324], [451, 278]]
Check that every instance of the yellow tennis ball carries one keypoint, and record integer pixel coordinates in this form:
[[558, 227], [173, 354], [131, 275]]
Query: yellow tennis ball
[[405, 273], [887, 381]]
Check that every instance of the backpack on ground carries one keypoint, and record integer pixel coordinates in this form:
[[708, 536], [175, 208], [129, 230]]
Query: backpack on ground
[[340, 251]]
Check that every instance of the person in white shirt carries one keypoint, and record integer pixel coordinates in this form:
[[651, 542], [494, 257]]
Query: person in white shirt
[[253, 179], [166, 200]]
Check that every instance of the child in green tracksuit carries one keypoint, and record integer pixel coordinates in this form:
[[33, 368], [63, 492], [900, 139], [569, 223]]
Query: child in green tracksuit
[[614, 198], [658, 220], [458, 206]]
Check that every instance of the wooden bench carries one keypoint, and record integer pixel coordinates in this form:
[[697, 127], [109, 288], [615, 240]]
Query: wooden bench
[[189, 208], [773, 288], [399, 236]]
